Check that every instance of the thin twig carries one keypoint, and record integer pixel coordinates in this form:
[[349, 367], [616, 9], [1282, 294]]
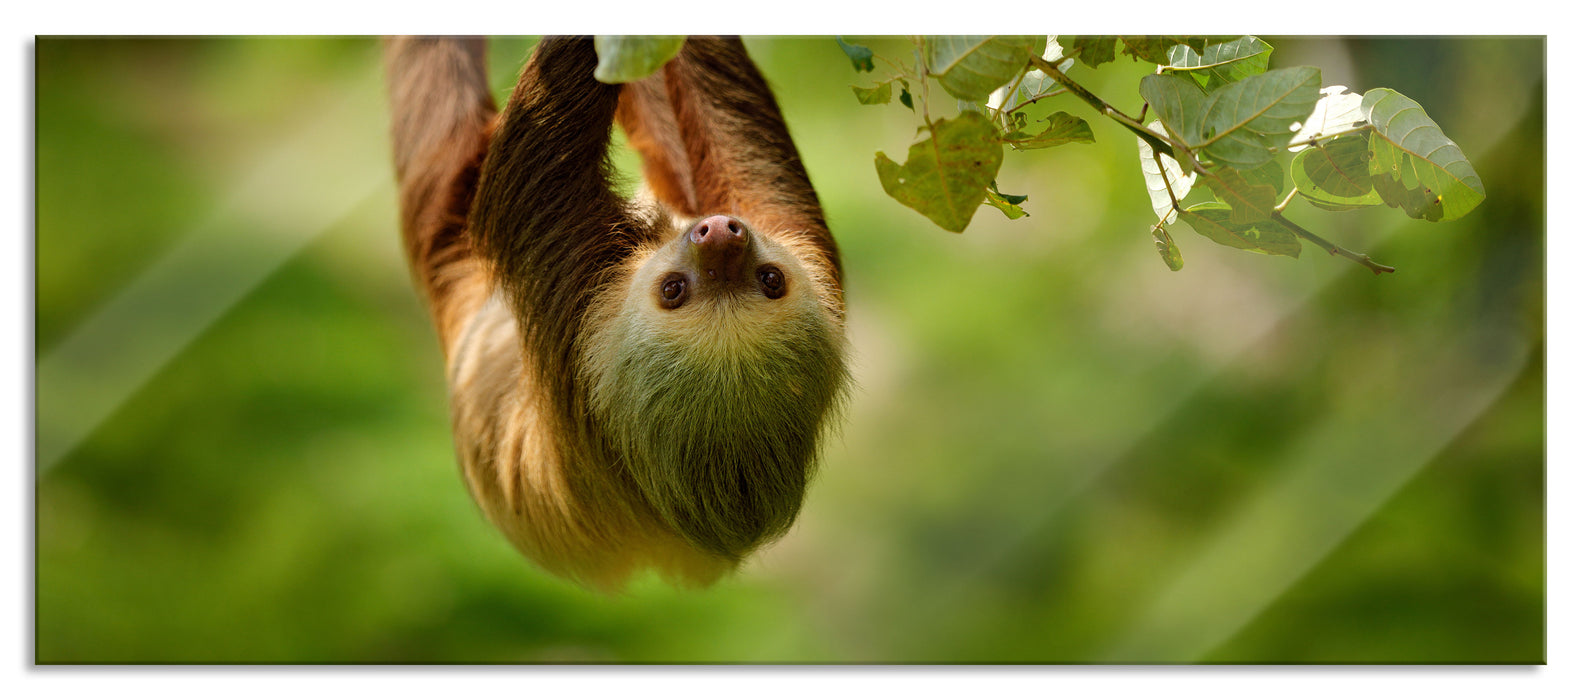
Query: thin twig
[[1175, 204], [1288, 197], [1157, 142], [1036, 98], [1333, 249], [1323, 137]]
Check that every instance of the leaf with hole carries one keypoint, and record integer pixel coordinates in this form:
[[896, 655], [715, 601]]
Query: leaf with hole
[[1063, 129], [876, 95], [623, 59], [1414, 166], [946, 175], [971, 67]]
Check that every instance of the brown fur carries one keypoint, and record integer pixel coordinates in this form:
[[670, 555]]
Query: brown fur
[[527, 256]]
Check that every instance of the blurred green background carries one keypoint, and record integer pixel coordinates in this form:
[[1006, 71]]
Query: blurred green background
[[1059, 450]]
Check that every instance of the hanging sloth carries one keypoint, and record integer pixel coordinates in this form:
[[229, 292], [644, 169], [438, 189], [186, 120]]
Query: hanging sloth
[[633, 384]]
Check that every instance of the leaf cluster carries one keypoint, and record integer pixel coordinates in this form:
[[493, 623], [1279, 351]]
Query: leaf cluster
[[1221, 119]]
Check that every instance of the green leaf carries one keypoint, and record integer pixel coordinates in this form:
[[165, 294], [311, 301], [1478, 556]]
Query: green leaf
[[1223, 63], [1156, 49], [1179, 102], [1213, 221], [1063, 128], [1251, 194], [1244, 123], [947, 174], [971, 67], [1336, 112], [906, 96], [1413, 164], [1154, 180], [994, 188], [623, 59], [1167, 249], [1006, 203], [1270, 174], [876, 95], [1093, 50], [1334, 175], [861, 56]]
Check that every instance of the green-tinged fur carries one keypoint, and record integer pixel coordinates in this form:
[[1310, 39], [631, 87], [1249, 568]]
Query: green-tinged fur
[[721, 445]]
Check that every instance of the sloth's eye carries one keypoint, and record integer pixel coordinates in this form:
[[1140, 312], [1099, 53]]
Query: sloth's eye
[[673, 291], [772, 281]]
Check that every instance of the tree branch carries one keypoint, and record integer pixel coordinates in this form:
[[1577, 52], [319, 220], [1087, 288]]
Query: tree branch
[[1333, 249], [1159, 143]]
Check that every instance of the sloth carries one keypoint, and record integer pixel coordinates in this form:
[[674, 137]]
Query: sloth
[[634, 383]]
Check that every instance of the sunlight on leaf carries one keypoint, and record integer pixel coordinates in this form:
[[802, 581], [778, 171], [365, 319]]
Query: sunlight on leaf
[[1336, 112], [1180, 183], [1035, 85], [1414, 165]]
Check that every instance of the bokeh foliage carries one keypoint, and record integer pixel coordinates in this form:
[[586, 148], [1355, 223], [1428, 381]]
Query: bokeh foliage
[[1059, 450]]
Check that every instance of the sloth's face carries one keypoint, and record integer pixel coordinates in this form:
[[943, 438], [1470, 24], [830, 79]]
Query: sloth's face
[[721, 286], [713, 377], [721, 258]]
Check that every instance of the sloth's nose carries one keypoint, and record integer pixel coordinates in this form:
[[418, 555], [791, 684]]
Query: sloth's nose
[[719, 230], [721, 244]]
